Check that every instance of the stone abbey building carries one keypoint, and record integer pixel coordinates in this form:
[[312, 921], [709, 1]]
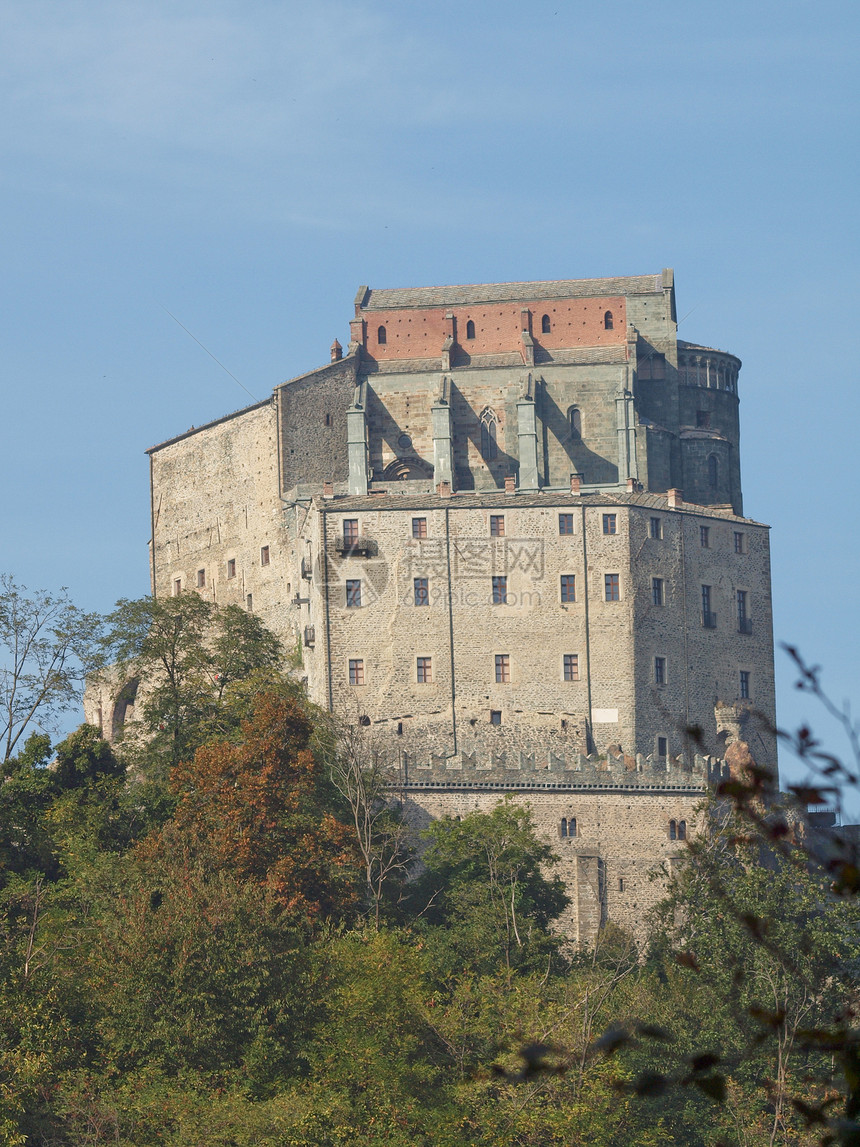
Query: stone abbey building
[[506, 528]]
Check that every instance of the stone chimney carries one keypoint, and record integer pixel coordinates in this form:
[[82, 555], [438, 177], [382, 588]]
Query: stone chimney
[[328, 489], [336, 351], [675, 497], [443, 489], [510, 484], [575, 483]]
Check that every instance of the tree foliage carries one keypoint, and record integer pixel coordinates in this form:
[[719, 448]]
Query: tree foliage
[[48, 647]]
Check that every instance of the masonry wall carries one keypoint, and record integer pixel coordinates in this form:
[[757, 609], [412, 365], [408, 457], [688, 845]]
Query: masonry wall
[[311, 418], [215, 501], [616, 698], [622, 841]]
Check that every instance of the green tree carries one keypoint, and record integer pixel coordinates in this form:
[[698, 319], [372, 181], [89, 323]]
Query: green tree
[[486, 887], [48, 647], [189, 655]]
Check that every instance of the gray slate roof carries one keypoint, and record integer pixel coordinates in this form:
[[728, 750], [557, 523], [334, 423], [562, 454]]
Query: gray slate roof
[[377, 299]]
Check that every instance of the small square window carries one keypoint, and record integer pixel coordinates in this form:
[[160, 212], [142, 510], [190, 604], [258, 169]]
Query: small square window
[[264, 555], [177, 586], [424, 669], [659, 670], [611, 587], [350, 530], [201, 579], [419, 527], [356, 672], [231, 567], [740, 543], [497, 525], [500, 590], [657, 590], [565, 524], [495, 716], [610, 523], [571, 666], [421, 589], [705, 537], [353, 593], [503, 668], [656, 528], [662, 747], [703, 419], [745, 685], [568, 587]]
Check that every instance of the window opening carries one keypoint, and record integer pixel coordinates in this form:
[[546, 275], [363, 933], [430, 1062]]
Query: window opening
[[709, 618], [350, 531], [489, 446], [673, 830], [705, 537], [703, 419], [659, 670], [682, 830], [611, 587], [424, 670], [744, 622], [545, 325], [574, 421], [656, 528], [568, 587], [503, 670], [662, 747], [419, 527], [565, 524], [201, 579], [500, 590], [571, 670], [608, 322], [177, 586], [470, 329], [657, 590], [264, 556], [745, 685], [231, 567], [713, 471], [739, 543], [356, 671], [495, 716], [249, 601], [610, 523], [381, 336], [422, 591], [353, 593], [497, 525]]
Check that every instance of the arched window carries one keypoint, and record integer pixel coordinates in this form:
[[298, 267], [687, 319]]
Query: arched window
[[545, 325], [682, 830], [713, 471], [673, 830], [608, 323], [564, 826], [571, 826], [381, 336], [470, 329], [489, 449], [574, 422]]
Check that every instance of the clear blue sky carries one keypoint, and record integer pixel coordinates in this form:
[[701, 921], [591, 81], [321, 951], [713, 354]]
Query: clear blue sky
[[247, 166]]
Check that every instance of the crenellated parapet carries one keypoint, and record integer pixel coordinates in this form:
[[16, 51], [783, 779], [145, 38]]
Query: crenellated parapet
[[548, 770]]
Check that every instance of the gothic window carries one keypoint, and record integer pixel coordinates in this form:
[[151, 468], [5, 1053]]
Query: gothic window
[[470, 329], [713, 471], [489, 423], [608, 323], [682, 830], [574, 422], [381, 336], [545, 325], [673, 830]]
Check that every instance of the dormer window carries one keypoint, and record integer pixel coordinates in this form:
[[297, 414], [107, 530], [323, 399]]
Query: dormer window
[[470, 329], [545, 325], [381, 336], [608, 323]]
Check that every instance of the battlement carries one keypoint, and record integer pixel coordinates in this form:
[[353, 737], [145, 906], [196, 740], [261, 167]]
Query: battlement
[[551, 771]]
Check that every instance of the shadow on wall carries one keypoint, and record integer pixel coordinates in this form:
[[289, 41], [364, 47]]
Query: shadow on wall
[[566, 428]]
